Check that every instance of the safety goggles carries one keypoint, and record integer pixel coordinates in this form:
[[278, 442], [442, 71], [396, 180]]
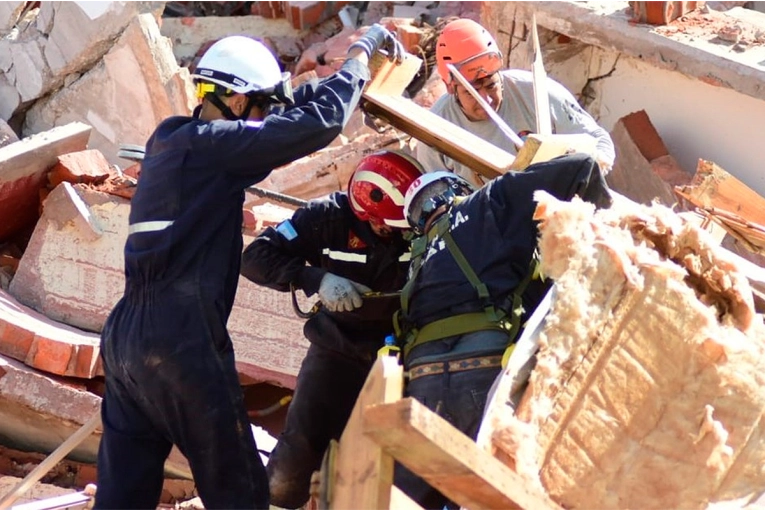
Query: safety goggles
[[205, 87], [480, 66]]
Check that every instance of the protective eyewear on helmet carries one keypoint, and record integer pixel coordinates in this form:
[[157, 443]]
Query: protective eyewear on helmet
[[205, 87], [480, 66]]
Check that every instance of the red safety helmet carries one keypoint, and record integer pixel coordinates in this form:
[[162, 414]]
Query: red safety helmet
[[470, 48], [378, 185]]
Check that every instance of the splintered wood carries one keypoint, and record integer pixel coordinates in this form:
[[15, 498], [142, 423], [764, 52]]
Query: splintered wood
[[649, 388]]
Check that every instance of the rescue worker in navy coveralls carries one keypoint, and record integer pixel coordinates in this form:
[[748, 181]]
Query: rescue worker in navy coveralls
[[168, 357], [471, 286], [341, 248]]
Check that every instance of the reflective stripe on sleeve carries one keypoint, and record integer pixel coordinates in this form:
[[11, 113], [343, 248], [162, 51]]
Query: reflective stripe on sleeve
[[345, 256], [148, 226]]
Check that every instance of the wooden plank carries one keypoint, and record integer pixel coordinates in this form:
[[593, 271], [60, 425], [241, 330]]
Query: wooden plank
[[713, 187], [540, 148], [389, 78], [447, 459], [362, 475], [450, 139]]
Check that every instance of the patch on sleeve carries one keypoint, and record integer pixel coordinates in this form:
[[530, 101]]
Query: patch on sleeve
[[287, 231]]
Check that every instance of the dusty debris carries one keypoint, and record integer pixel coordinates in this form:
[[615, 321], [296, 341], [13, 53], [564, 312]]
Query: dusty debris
[[715, 27]]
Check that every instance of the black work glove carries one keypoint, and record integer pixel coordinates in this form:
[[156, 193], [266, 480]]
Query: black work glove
[[380, 38]]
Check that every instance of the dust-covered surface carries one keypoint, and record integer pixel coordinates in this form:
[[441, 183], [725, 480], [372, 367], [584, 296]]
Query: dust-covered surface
[[650, 383]]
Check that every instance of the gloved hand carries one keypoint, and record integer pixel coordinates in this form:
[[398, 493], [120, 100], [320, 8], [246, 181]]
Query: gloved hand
[[340, 294], [380, 38]]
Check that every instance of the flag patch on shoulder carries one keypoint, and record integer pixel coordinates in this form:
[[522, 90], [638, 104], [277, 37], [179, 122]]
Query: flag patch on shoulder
[[286, 230]]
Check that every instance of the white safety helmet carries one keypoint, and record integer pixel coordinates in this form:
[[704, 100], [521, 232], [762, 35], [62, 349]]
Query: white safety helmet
[[431, 191], [240, 64]]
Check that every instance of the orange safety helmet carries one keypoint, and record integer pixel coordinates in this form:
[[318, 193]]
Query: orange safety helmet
[[378, 185], [470, 48]]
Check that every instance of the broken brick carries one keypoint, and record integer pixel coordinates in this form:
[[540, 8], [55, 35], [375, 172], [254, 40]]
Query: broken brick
[[88, 167]]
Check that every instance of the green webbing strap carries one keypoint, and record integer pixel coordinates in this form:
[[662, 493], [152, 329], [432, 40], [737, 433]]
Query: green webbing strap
[[464, 265], [452, 326]]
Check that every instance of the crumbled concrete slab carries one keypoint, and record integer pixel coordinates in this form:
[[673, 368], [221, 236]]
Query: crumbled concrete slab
[[67, 37], [135, 86], [38, 413], [329, 169], [76, 278], [23, 172], [67, 272], [188, 35]]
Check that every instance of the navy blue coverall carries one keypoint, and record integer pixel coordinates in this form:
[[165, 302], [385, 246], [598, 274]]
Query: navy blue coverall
[[168, 358], [327, 236], [495, 230]]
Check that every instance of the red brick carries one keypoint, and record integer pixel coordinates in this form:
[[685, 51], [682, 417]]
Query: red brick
[[44, 344], [51, 356], [88, 167], [15, 341], [410, 37], [304, 15]]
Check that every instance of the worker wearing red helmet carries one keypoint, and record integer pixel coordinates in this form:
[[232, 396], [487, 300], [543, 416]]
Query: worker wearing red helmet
[[341, 248], [473, 51]]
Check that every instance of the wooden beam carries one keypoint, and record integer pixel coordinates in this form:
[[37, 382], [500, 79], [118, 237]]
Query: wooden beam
[[713, 187], [540, 148], [450, 139], [447, 459], [362, 474]]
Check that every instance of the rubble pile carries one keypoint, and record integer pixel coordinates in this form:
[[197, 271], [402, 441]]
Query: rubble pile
[[78, 82]]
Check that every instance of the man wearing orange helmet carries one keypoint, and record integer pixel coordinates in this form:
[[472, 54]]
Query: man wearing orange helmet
[[342, 248], [473, 51]]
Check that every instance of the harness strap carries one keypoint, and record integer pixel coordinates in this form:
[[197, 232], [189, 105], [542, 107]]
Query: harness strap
[[452, 326], [490, 318]]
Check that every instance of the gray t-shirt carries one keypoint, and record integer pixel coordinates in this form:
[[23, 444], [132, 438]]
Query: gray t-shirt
[[517, 109]]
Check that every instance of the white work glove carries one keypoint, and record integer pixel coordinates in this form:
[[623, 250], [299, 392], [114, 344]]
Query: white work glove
[[340, 294], [380, 38]]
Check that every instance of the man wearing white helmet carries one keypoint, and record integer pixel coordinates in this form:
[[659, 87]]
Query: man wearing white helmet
[[168, 357], [472, 50], [472, 285]]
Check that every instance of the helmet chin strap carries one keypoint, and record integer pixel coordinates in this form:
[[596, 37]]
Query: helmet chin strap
[[226, 111]]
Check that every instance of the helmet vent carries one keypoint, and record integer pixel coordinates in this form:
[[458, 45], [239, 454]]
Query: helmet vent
[[376, 195]]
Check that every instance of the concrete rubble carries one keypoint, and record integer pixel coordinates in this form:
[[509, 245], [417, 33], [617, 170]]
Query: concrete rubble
[[79, 79]]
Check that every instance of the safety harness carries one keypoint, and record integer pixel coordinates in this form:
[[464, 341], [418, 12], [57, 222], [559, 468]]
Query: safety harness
[[491, 318]]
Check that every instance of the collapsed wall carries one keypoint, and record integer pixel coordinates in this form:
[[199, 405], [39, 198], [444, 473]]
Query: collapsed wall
[[649, 387]]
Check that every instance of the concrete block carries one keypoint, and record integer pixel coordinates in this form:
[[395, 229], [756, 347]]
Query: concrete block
[[30, 70], [23, 169], [140, 73], [72, 277], [67, 272]]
